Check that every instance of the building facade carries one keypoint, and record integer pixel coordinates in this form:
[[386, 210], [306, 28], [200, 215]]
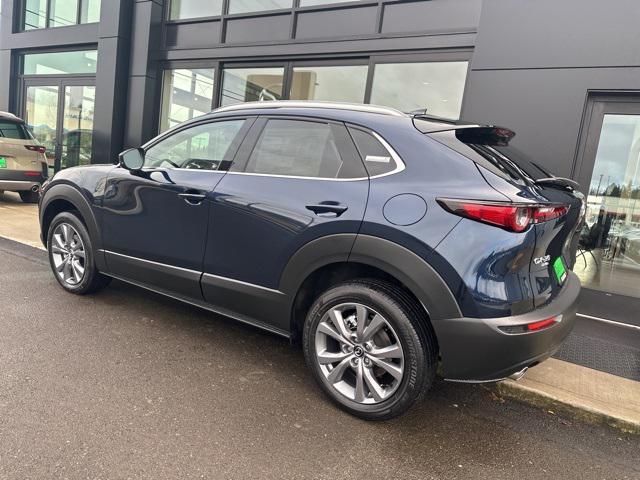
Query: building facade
[[92, 77]]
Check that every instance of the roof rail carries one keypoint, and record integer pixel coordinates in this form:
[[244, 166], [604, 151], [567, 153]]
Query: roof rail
[[357, 107], [7, 114]]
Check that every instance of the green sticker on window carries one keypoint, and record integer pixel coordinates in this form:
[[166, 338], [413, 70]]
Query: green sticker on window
[[558, 267], [3, 162]]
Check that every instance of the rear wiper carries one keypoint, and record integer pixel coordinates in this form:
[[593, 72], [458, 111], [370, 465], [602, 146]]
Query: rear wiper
[[558, 182]]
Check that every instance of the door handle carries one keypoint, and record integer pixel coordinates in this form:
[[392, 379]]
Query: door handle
[[328, 209], [192, 198]]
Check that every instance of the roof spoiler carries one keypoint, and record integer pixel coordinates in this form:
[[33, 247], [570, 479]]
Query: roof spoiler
[[494, 136], [558, 182]]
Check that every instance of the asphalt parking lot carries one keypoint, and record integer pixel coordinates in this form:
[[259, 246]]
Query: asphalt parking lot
[[128, 384]]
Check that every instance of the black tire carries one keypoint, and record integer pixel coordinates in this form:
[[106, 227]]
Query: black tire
[[29, 196], [409, 324], [92, 280]]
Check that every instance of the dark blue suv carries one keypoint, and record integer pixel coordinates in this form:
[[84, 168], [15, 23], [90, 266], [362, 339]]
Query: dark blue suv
[[390, 245]]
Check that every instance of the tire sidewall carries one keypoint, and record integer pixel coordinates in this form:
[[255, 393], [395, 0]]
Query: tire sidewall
[[417, 368], [89, 264]]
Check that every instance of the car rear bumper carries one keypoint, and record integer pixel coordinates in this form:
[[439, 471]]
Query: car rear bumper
[[477, 350], [19, 185], [18, 180]]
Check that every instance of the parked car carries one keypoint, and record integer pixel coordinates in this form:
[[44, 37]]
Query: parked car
[[389, 245], [23, 163]]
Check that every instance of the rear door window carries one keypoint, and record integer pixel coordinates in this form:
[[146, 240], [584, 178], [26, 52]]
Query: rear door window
[[303, 148], [14, 130]]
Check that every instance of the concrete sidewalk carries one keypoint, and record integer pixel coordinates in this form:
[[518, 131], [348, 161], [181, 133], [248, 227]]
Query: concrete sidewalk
[[589, 394], [581, 392], [18, 220]]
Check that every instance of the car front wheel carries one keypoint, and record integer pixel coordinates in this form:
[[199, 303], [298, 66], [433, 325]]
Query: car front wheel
[[371, 349], [71, 255]]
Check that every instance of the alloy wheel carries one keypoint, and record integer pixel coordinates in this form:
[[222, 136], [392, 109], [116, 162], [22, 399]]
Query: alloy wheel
[[68, 254], [359, 353]]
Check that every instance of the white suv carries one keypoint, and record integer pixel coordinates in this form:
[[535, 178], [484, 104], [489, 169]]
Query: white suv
[[23, 163]]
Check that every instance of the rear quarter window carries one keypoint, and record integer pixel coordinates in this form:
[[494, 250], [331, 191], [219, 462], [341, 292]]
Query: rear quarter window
[[14, 130], [377, 159]]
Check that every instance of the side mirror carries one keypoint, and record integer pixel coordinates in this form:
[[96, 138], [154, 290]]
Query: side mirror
[[132, 159]]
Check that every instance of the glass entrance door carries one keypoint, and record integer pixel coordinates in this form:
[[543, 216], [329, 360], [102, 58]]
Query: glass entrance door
[[608, 258], [60, 115]]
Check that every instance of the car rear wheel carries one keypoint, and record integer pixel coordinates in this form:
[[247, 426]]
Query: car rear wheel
[[29, 197], [370, 348], [72, 257]]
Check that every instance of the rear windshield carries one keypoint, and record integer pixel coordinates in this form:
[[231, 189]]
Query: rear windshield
[[16, 130], [511, 161], [503, 160]]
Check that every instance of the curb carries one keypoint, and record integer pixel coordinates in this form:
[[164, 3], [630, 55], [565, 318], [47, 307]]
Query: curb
[[539, 398]]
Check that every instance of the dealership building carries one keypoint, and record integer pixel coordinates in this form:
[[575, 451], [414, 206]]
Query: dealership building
[[92, 77]]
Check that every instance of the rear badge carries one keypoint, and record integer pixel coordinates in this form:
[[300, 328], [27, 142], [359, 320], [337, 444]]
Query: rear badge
[[542, 261], [558, 267]]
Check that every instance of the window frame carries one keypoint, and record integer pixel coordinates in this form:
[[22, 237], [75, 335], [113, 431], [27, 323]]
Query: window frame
[[462, 55], [342, 62], [288, 64], [163, 76], [286, 69], [22, 18], [251, 141], [233, 148]]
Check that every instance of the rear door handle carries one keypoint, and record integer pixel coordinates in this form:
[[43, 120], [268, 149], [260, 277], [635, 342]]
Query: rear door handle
[[328, 209], [193, 198]]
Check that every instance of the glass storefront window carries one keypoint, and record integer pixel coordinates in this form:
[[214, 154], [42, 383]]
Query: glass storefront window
[[436, 86], [90, 11], [42, 115], [309, 3], [60, 63], [338, 84], [181, 9], [609, 246], [77, 135], [35, 14], [251, 84], [59, 13], [63, 13], [246, 6], [185, 94]]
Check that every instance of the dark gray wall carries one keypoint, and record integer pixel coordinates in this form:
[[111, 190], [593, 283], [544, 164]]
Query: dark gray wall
[[535, 63]]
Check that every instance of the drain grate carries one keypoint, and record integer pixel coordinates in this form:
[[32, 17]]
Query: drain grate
[[601, 355]]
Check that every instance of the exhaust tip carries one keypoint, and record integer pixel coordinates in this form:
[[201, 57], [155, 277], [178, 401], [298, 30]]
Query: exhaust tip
[[518, 375], [35, 188]]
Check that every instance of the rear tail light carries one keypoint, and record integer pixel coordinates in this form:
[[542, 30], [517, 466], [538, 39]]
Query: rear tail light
[[544, 214], [32, 174], [36, 148], [509, 216]]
